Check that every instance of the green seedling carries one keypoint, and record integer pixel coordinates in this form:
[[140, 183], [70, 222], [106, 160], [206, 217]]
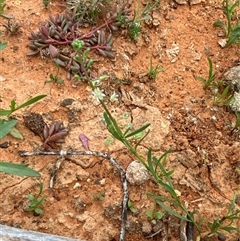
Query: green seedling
[[3, 45], [237, 124], [99, 196], [18, 169], [156, 215], [46, 3], [2, 8], [211, 75], [226, 222], [55, 78], [7, 124], [153, 71], [88, 11], [232, 32], [134, 27], [131, 207], [35, 202], [224, 98]]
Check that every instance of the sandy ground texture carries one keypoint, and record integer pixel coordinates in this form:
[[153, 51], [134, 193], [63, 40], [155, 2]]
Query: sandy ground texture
[[205, 153]]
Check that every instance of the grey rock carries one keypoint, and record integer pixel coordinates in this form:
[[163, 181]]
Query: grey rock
[[232, 77], [136, 173]]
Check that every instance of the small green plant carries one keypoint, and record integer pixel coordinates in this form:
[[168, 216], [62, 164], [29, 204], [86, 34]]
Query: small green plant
[[226, 222], [7, 124], [134, 27], [2, 7], [46, 3], [99, 196], [55, 78], [232, 32], [237, 124], [131, 207], [12, 26], [153, 71], [224, 98], [155, 214], [211, 75], [34, 202], [3, 45]]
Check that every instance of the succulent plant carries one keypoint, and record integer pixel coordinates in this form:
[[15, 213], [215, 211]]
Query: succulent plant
[[54, 133], [59, 32]]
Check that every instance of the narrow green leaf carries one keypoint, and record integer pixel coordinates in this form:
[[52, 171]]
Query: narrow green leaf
[[5, 112], [31, 101], [138, 130], [6, 126], [3, 45], [38, 210], [220, 24], [234, 36], [171, 211], [138, 143], [12, 105], [232, 205], [31, 197], [16, 133], [18, 169], [149, 213], [230, 229]]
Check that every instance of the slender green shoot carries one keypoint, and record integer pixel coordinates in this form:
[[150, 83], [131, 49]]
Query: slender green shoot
[[211, 76], [224, 98], [153, 71], [134, 27], [55, 78], [232, 31]]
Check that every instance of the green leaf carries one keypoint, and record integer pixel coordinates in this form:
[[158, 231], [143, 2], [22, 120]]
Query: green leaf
[[138, 130], [31, 197], [171, 211], [31, 101], [158, 215], [6, 126], [234, 36], [12, 105], [3, 45], [149, 213], [38, 210], [18, 169], [5, 112], [16, 133], [220, 24]]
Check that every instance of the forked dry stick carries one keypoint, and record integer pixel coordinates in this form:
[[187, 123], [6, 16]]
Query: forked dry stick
[[64, 153]]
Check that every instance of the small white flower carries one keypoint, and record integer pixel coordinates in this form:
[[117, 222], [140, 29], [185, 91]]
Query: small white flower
[[113, 97], [98, 94], [96, 82]]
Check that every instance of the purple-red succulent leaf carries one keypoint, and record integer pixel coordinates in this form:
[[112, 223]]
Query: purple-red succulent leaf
[[57, 136], [58, 125], [84, 141], [51, 129], [45, 132], [53, 51]]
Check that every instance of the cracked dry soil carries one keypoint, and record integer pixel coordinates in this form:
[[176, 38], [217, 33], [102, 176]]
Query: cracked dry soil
[[205, 154]]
